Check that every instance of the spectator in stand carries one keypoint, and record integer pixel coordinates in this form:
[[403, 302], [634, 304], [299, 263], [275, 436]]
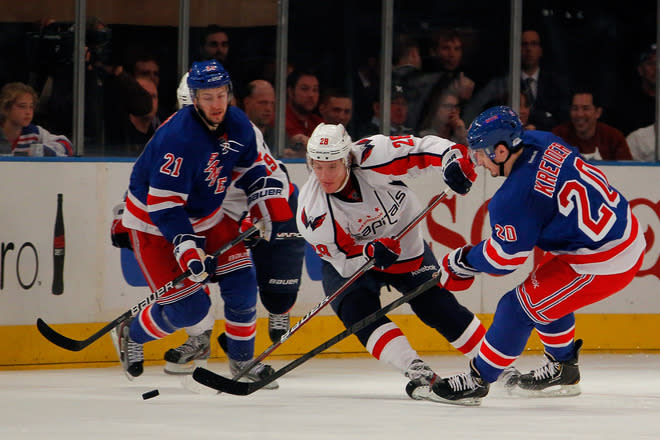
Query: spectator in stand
[[547, 91], [642, 144], [398, 115], [444, 120], [637, 108], [18, 135], [407, 71], [523, 112], [139, 128], [259, 106], [144, 65], [336, 107], [302, 90], [595, 140], [214, 45], [447, 59]]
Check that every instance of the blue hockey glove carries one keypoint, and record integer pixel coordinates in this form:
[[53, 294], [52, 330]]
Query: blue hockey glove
[[458, 170]]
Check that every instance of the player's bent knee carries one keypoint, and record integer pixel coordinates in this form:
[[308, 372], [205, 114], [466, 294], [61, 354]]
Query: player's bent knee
[[188, 311]]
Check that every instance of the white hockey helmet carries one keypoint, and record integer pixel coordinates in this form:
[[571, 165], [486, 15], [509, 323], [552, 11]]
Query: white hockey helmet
[[329, 142], [183, 92]]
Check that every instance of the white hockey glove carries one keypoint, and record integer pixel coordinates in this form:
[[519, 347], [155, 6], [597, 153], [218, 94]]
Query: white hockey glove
[[457, 274], [189, 253]]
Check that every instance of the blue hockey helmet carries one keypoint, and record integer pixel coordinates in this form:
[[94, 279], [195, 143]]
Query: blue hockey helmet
[[207, 75], [497, 125]]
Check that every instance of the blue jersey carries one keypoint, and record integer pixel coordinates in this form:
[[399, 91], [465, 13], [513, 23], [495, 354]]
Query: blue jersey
[[179, 182], [556, 201]]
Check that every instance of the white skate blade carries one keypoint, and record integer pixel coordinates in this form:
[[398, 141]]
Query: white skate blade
[[181, 369], [470, 401], [553, 391], [422, 392], [115, 342]]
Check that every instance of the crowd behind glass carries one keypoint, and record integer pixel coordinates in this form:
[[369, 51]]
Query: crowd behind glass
[[588, 74]]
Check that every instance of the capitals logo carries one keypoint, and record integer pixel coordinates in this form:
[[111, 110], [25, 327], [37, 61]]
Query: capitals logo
[[311, 222], [367, 149]]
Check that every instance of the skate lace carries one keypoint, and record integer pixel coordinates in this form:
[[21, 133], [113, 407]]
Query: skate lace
[[194, 344], [462, 382], [278, 322], [134, 352], [546, 371], [418, 370]]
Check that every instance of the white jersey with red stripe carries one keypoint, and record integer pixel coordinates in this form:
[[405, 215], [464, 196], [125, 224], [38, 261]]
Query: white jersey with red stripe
[[380, 205], [555, 200], [235, 203]]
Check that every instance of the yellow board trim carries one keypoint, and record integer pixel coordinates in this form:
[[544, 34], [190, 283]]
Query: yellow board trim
[[23, 347]]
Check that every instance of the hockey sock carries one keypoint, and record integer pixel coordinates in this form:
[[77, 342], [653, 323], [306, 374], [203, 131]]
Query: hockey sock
[[387, 343], [150, 324], [505, 339], [470, 341], [557, 337]]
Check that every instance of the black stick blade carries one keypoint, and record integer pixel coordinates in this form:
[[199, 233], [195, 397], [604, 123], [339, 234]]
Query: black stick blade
[[225, 385], [59, 339]]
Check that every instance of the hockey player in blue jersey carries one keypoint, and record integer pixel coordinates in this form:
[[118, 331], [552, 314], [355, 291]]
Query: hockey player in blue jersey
[[554, 200], [175, 218]]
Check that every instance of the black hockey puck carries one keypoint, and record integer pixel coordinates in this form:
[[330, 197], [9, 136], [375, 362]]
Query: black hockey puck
[[150, 394]]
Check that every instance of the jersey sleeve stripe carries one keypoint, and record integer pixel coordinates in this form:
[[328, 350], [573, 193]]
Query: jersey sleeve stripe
[[495, 255], [401, 165]]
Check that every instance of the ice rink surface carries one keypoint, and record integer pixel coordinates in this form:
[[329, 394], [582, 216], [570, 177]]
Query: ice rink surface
[[327, 399]]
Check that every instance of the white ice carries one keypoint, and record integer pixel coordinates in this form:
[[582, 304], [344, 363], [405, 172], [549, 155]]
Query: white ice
[[327, 399]]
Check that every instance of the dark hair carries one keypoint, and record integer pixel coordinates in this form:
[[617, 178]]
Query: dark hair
[[210, 30], [402, 47], [294, 77], [333, 93], [586, 90]]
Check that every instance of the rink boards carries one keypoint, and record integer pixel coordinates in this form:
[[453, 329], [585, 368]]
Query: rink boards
[[100, 283]]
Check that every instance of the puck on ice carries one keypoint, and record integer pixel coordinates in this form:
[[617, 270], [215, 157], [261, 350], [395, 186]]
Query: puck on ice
[[150, 394]]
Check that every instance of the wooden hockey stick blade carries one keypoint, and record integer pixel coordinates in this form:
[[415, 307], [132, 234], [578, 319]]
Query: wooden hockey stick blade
[[75, 345], [237, 388]]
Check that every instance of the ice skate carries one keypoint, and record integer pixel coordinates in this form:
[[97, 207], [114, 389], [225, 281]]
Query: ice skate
[[553, 379], [258, 372], [462, 389], [509, 379], [193, 353], [421, 378], [130, 353], [278, 324]]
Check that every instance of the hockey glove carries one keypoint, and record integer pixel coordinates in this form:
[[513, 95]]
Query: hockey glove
[[384, 251], [457, 274], [189, 253], [118, 233], [458, 170], [244, 224], [268, 205]]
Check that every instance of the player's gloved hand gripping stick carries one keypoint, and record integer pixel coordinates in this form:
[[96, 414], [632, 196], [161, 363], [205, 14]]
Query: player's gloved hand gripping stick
[[365, 267], [75, 345]]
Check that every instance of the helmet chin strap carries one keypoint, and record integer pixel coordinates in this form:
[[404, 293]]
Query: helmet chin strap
[[211, 126], [348, 175], [501, 164]]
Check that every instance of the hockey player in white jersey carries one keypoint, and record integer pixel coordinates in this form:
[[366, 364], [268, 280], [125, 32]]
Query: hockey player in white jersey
[[554, 200], [351, 206]]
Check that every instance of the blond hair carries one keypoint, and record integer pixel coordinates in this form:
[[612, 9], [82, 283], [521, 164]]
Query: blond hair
[[10, 93]]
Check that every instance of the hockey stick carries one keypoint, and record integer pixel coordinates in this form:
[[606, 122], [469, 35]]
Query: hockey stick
[[365, 267], [75, 345], [232, 386]]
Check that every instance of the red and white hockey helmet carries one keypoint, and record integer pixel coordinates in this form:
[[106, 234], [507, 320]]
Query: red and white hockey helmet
[[329, 142]]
